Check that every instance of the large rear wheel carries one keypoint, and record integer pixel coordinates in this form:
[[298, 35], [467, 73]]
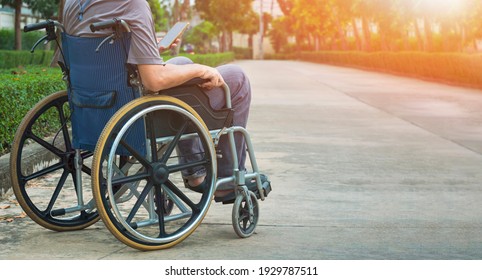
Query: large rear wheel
[[42, 168], [143, 201]]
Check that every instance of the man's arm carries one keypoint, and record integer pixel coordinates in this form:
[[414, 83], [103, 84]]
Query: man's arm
[[157, 77]]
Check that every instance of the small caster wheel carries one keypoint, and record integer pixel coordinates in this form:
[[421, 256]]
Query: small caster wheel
[[244, 220]]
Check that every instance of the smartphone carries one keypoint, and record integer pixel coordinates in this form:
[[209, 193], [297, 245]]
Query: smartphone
[[173, 33]]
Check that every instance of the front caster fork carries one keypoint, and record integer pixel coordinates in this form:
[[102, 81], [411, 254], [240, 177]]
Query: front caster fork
[[245, 212]]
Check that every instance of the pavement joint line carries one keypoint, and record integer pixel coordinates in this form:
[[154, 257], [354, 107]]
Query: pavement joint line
[[113, 253]]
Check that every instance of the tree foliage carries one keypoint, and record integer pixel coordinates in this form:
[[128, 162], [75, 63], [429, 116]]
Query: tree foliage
[[159, 15], [372, 25], [227, 16], [201, 36], [46, 8], [17, 5]]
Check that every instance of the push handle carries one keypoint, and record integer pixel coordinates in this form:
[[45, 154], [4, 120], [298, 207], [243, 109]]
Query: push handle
[[103, 25], [38, 26]]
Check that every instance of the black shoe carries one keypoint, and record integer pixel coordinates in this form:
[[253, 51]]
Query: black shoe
[[199, 188]]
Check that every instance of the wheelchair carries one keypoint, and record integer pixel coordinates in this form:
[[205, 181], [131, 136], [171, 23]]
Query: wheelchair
[[126, 144]]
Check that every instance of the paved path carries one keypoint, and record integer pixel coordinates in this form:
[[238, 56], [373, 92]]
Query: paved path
[[364, 166]]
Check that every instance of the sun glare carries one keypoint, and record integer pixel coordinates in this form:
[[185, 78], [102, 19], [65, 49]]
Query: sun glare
[[445, 5]]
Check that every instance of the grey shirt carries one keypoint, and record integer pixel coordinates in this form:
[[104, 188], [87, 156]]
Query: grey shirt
[[136, 13]]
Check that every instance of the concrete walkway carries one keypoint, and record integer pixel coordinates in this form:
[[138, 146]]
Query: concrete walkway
[[363, 166]]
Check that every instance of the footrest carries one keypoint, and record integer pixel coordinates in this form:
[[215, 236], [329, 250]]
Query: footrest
[[266, 184], [266, 189]]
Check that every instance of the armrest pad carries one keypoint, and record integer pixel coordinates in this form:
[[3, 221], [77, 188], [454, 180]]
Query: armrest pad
[[192, 82]]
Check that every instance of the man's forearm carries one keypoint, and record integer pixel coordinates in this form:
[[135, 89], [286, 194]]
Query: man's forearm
[[159, 77]]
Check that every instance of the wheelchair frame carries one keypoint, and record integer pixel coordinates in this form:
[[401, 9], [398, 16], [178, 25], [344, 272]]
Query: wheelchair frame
[[115, 189]]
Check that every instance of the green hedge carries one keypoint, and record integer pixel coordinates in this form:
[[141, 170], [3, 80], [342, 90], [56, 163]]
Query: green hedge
[[12, 59], [243, 53], [457, 68], [28, 39], [22, 88]]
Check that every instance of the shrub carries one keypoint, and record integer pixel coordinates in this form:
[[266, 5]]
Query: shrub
[[12, 59], [461, 69], [243, 53], [28, 39], [20, 90]]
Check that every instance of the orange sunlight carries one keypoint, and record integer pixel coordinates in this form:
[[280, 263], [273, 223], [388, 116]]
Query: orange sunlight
[[445, 5]]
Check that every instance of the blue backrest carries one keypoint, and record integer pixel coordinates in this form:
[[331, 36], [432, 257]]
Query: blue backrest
[[98, 88]]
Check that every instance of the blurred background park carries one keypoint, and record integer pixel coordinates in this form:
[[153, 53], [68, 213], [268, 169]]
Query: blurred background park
[[439, 40], [260, 28]]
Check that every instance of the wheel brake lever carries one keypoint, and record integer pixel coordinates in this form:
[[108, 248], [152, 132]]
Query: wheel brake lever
[[111, 37], [39, 41]]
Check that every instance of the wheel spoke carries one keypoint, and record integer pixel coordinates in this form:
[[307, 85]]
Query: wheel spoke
[[160, 210], [174, 142], [43, 172], [130, 179], [45, 144], [86, 154], [139, 202], [183, 166], [56, 193], [152, 137], [86, 170], [65, 129], [194, 207], [142, 160]]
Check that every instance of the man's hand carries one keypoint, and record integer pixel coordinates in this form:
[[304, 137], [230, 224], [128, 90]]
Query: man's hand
[[213, 77], [161, 49]]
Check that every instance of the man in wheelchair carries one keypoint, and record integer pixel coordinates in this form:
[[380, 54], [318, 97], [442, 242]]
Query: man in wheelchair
[[157, 74]]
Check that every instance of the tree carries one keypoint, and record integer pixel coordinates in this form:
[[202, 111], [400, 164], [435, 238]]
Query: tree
[[279, 33], [47, 9], [227, 15], [181, 11], [201, 36], [251, 26], [158, 15], [286, 6], [311, 24], [17, 5]]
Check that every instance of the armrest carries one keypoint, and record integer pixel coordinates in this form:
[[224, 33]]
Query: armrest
[[195, 81]]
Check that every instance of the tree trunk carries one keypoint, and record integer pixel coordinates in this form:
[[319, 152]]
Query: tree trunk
[[184, 15], [420, 40], [18, 31], [61, 10], [341, 34], [357, 35], [224, 44], [428, 34], [230, 41], [366, 35]]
